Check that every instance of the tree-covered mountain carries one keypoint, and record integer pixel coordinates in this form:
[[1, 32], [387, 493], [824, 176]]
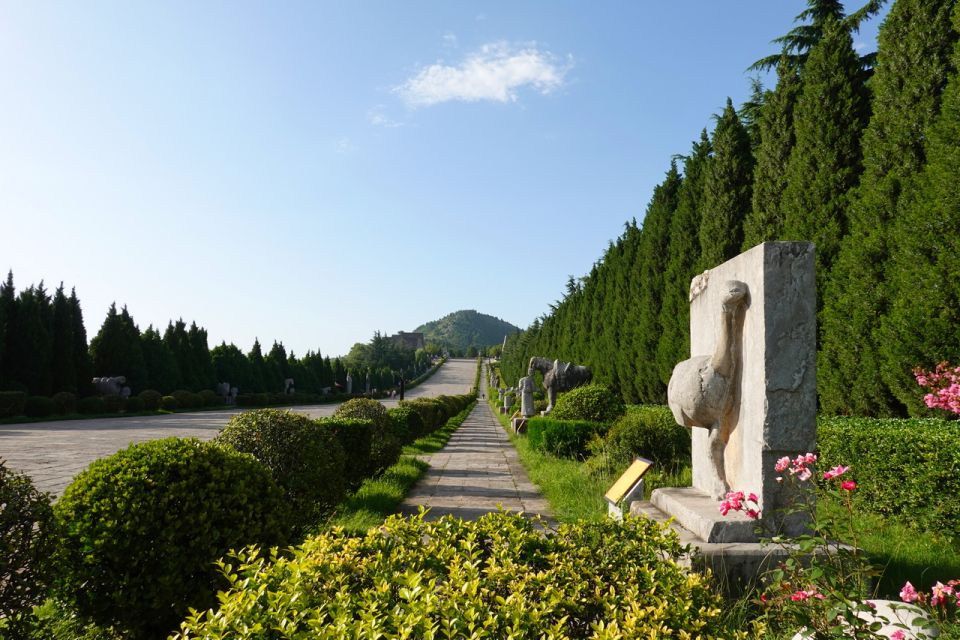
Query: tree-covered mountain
[[463, 329]]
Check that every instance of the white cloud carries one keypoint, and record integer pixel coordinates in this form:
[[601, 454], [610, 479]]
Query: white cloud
[[496, 72], [379, 118], [345, 145]]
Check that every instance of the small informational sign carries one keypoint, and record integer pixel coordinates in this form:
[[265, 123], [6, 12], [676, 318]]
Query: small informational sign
[[627, 484]]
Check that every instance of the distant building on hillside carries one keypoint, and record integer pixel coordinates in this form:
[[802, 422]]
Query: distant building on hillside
[[409, 340]]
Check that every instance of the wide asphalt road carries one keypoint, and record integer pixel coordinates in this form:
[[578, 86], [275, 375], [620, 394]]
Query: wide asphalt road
[[52, 453]]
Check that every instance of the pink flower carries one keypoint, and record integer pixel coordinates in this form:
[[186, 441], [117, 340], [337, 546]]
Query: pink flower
[[848, 485], [810, 458], [940, 592], [897, 635], [753, 514], [805, 474], [908, 593], [782, 464], [753, 498], [799, 596], [838, 470], [724, 508]]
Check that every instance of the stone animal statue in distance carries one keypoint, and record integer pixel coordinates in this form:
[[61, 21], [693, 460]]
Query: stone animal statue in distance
[[703, 389], [558, 376]]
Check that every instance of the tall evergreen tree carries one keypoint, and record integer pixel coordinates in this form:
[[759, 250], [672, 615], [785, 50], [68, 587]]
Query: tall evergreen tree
[[652, 263], [63, 367], [825, 163], [200, 358], [178, 341], [30, 344], [116, 349], [727, 186], [923, 326], [82, 361], [765, 220], [231, 366], [683, 255], [258, 369], [911, 72], [751, 111], [163, 374], [8, 311]]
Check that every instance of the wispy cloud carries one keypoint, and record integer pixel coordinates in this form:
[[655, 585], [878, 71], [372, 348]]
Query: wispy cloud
[[378, 117], [496, 72], [450, 39], [345, 145]]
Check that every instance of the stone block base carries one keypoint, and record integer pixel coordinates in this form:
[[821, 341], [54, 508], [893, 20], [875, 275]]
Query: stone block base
[[519, 425], [697, 512]]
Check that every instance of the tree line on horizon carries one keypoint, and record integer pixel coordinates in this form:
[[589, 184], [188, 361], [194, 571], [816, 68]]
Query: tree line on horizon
[[44, 350], [858, 154]]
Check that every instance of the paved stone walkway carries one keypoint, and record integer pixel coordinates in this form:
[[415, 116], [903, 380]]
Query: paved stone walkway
[[52, 453], [477, 472]]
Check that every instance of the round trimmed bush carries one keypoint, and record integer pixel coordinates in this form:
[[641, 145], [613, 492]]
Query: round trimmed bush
[[169, 403], [133, 404], [185, 399], [303, 456], [142, 529], [593, 402], [151, 399], [112, 404], [648, 431], [210, 398], [12, 403], [91, 405], [64, 402], [26, 521], [39, 407], [384, 446], [407, 425]]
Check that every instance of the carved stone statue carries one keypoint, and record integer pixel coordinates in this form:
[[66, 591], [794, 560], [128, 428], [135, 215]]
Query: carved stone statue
[[110, 386], [525, 387], [288, 386], [558, 376], [349, 383], [703, 389], [223, 390]]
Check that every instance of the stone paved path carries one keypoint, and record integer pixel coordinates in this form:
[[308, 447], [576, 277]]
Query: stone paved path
[[477, 472], [52, 453]]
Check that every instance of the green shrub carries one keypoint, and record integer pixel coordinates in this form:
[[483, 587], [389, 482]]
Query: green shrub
[[185, 399], [141, 530], [39, 407], [112, 404], [355, 438], [384, 446], [209, 398], [432, 413], [648, 431], [133, 404], [593, 402], [405, 424], [303, 456], [253, 399], [496, 577], [64, 402], [26, 520], [151, 399], [169, 403], [12, 403], [91, 405], [907, 469], [562, 438]]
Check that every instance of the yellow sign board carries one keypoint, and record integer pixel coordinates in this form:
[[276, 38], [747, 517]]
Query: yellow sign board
[[628, 480]]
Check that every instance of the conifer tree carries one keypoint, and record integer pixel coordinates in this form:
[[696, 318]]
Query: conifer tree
[[750, 112], [825, 163], [63, 369], [652, 258], [200, 358], [116, 349], [911, 72], [922, 326], [765, 219], [683, 255], [8, 310], [82, 361], [30, 343], [178, 341], [163, 374], [258, 369], [727, 186], [231, 366]]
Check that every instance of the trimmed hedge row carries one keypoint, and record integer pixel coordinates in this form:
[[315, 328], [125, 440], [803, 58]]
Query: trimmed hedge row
[[496, 577], [563, 438], [909, 469]]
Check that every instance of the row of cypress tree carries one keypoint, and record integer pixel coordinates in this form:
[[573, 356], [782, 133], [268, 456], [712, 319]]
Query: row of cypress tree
[[44, 350], [859, 154]]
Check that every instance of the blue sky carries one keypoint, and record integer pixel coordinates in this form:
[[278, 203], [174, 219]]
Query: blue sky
[[312, 172]]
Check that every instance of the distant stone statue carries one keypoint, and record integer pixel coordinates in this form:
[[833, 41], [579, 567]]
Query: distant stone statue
[[125, 392], [110, 386], [223, 390], [232, 399], [525, 387], [702, 390], [558, 376], [288, 386], [367, 386], [349, 383]]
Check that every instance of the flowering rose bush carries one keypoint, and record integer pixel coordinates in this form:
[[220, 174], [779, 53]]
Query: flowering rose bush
[[944, 386]]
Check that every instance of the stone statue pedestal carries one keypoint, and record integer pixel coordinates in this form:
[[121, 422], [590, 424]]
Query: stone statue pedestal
[[773, 412]]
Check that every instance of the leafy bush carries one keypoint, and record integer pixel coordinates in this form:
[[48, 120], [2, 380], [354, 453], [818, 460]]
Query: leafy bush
[[91, 405], [384, 446], [496, 577], [253, 399], [151, 399], [433, 413], [899, 465], [25, 542], [169, 403], [12, 403], [303, 456], [210, 398], [594, 402], [649, 431], [64, 402], [355, 438], [562, 438], [406, 424], [134, 404], [112, 404], [185, 399], [142, 528], [39, 407]]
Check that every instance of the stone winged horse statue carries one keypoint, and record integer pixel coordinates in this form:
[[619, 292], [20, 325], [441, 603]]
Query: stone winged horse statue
[[558, 376]]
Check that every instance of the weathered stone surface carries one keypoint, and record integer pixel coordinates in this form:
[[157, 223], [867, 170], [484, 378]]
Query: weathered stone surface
[[773, 413], [525, 388]]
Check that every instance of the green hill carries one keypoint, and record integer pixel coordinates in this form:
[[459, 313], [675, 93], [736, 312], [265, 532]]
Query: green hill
[[461, 329]]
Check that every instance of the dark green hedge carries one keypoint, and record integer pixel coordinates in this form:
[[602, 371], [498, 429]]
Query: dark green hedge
[[593, 402], [563, 438], [649, 431], [909, 469]]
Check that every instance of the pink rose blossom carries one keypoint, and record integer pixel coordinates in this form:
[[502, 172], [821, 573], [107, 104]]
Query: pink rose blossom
[[753, 498], [908, 593], [940, 592], [897, 635], [805, 474], [782, 464], [848, 485], [838, 470], [753, 514]]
